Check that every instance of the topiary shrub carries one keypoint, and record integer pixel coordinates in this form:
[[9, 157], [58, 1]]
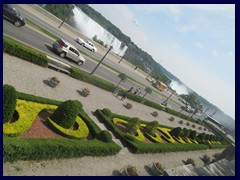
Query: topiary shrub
[[201, 136], [107, 111], [66, 113], [151, 127], [176, 132], [9, 102], [79, 105], [185, 133], [104, 136], [133, 125], [192, 134]]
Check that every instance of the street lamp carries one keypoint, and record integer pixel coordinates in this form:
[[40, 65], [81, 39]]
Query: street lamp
[[101, 60], [121, 58], [165, 102]]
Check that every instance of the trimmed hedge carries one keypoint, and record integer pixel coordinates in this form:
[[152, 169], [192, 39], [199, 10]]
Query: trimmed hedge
[[86, 77], [104, 136], [139, 147], [176, 132], [44, 149], [66, 114], [20, 50], [9, 102]]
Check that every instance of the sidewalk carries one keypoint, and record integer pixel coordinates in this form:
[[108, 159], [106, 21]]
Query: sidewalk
[[29, 78]]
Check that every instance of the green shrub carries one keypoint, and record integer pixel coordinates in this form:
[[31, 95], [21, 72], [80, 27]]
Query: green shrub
[[133, 125], [78, 104], [107, 112], [104, 136], [176, 132], [66, 113], [201, 136], [192, 134], [9, 102], [151, 127], [185, 133]]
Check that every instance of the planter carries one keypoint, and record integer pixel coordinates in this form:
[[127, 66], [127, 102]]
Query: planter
[[53, 82], [155, 170], [85, 92], [155, 113], [128, 105], [129, 171]]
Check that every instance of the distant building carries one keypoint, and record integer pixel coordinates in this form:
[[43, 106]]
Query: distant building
[[214, 121]]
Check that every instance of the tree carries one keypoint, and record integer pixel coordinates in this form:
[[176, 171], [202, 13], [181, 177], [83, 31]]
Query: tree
[[148, 90], [123, 77]]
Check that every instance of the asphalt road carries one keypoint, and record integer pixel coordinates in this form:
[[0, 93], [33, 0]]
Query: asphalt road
[[42, 42]]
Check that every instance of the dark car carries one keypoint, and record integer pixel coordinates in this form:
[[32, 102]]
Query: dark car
[[13, 15]]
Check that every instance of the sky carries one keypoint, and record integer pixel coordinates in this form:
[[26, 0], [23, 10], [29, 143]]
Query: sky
[[194, 42]]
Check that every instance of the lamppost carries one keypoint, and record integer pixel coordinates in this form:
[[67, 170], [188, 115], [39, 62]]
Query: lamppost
[[101, 60], [165, 102], [121, 58], [70, 10]]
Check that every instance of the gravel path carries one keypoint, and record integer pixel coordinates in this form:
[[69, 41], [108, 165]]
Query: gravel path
[[30, 78]]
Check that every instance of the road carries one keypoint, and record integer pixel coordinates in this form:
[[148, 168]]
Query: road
[[42, 42]]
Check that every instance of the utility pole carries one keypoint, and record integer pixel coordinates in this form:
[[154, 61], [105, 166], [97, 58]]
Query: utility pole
[[101, 60]]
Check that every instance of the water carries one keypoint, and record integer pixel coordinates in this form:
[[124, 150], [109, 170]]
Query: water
[[90, 28], [180, 88]]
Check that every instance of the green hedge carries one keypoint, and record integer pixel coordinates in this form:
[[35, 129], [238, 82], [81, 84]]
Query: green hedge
[[140, 147], [86, 77], [44, 149], [20, 50], [33, 98]]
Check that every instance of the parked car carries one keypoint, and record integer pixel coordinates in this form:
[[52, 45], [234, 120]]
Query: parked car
[[65, 49], [87, 44], [13, 15]]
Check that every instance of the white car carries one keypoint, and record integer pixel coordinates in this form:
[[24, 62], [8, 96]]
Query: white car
[[87, 44], [65, 49]]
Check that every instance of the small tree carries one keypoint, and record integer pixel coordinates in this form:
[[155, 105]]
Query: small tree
[[201, 136], [123, 77], [147, 90]]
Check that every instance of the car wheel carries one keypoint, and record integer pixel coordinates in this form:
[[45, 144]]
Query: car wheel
[[17, 23], [80, 63], [62, 54], [93, 50]]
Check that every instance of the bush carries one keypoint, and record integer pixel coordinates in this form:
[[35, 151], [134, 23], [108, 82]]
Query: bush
[[9, 102], [107, 112], [176, 132], [185, 133], [66, 113], [201, 136], [133, 125], [192, 134], [78, 104], [206, 159], [104, 136], [151, 127]]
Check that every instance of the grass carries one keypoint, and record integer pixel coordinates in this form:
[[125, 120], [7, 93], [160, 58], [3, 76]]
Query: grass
[[96, 60]]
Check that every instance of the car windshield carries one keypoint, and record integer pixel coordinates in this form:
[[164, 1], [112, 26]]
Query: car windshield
[[61, 42]]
